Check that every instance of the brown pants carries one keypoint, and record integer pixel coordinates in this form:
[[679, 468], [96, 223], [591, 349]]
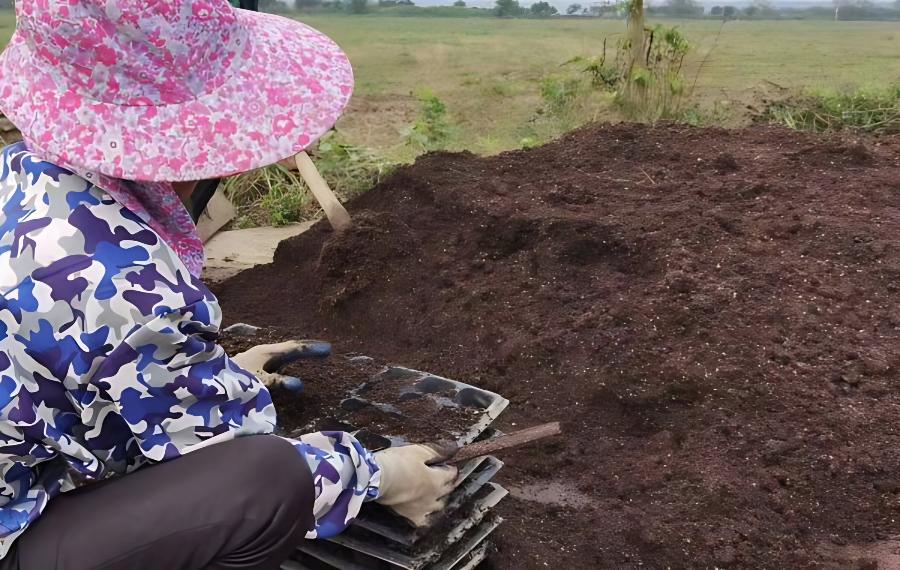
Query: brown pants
[[242, 504]]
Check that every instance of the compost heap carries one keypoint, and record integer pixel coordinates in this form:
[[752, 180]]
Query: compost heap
[[713, 314]]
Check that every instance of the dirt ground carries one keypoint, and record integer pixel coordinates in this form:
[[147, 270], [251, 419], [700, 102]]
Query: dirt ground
[[713, 314]]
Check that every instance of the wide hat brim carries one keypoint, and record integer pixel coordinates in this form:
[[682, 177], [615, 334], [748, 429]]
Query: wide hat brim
[[290, 89]]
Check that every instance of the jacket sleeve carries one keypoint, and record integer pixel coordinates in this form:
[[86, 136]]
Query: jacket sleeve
[[30, 474], [178, 391]]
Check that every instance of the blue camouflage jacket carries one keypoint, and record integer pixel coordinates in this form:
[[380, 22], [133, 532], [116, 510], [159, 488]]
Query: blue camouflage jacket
[[108, 355]]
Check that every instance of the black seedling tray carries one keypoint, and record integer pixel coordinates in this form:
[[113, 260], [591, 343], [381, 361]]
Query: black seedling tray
[[388, 389], [456, 538]]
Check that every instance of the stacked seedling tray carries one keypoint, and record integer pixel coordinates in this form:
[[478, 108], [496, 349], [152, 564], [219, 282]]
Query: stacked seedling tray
[[396, 405]]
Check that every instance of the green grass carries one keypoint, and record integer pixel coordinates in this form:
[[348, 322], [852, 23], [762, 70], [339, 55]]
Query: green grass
[[862, 110], [7, 26], [489, 71]]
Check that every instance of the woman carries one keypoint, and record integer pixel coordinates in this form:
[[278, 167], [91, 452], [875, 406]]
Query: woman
[[108, 359]]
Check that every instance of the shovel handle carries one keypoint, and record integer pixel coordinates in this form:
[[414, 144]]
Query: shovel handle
[[508, 441], [334, 210]]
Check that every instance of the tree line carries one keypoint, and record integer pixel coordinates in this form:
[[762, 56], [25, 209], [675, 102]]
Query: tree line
[[757, 10]]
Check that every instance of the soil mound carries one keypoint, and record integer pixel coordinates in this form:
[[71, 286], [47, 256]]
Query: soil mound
[[714, 314]]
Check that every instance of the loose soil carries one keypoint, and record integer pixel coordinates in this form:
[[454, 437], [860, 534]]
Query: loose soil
[[713, 314]]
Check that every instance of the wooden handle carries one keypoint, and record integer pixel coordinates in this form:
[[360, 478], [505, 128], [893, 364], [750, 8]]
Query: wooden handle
[[334, 210], [514, 439]]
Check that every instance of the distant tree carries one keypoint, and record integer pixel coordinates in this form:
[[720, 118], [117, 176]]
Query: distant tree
[[761, 9], [10, 4], [543, 9], [682, 8], [306, 4], [766, 9], [358, 6], [724, 12], [460, 3], [575, 8], [862, 10], [507, 8]]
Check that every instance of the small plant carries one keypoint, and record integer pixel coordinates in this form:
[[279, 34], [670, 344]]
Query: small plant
[[528, 143], [432, 131], [349, 170], [602, 75], [568, 102], [862, 110], [558, 94]]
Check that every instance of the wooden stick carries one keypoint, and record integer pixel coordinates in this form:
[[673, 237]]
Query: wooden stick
[[514, 439], [334, 210]]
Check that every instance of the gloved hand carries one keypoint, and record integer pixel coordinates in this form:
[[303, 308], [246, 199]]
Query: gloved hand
[[263, 361], [409, 486]]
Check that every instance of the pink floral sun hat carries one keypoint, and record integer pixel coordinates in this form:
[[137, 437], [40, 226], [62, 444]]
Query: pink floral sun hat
[[168, 90]]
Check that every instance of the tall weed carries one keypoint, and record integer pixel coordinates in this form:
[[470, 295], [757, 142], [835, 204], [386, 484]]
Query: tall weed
[[656, 89]]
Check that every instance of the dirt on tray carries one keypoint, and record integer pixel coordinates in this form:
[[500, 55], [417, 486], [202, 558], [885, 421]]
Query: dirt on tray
[[420, 420], [713, 314], [338, 389], [327, 381]]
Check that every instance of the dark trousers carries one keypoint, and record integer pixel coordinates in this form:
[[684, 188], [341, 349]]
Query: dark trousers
[[245, 504]]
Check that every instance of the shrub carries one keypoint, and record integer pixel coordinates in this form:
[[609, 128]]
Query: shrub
[[543, 9], [507, 8], [655, 90]]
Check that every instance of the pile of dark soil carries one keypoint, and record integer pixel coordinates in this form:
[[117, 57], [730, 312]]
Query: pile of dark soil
[[713, 314]]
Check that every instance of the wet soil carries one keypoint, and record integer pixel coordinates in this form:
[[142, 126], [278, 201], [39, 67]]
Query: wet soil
[[713, 314]]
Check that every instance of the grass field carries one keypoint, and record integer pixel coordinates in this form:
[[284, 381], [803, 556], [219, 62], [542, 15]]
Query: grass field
[[488, 71]]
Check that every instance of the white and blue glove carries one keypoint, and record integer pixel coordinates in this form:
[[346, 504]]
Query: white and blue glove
[[265, 360]]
